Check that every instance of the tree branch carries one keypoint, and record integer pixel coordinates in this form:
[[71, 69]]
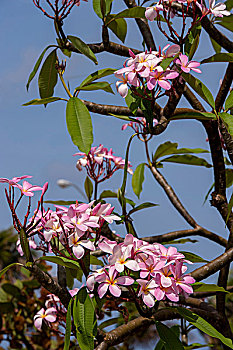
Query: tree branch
[[143, 27]]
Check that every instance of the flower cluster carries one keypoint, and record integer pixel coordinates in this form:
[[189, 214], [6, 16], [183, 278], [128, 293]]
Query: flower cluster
[[150, 272], [164, 7], [144, 71], [100, 163]]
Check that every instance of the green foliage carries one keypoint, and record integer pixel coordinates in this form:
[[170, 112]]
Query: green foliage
[[37, 65], [142, 206], [168, 337], [79, 124], [43, 101], [104, 85], [25, 245], [205, 287], [82, 47], [229, 101], [96, 75], [88, 186], [193, 257], [203, 326], [192, 41], [118, 27], [187, 159], [193, 115], [226, 22], [217, 48], [138, 179], [199, 88], [84, 319], [48, 76], [219, 57], [60, 260]]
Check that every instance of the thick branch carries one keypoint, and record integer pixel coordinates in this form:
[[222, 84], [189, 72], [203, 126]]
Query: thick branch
[[213, 266], [143, 27], [119, 334], [215, 34], [50, 284]]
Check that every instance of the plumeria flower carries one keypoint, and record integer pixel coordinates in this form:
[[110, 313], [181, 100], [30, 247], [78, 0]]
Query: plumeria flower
[[147, 291], [109, 280], [152, 12], [53, 300], [27, 189], [74, 291], [185, 65], [182, 281], [122, 86], [79, 245], [160, 77], [46, 315], [218, 10], [162, 291], [15, 180], [121, 259]]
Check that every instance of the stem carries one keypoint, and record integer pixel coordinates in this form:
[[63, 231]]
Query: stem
[[64, 85]]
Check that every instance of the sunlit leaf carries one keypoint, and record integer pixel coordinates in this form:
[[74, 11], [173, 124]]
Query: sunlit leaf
[[205, 287], [119, 28], [142, 206], [219, 57], [170, 339], [82, 47], [43, 101], [97, 75], [48, 76], [79, 124], [103, 85], [194, 115], [187, 159], [229, 101], [193, 257], [138, 179]]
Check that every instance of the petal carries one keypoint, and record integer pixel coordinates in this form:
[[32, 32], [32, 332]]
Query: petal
[[125, 280], [115, 290], [38, 323], [148, 300], [102, 289], [78, 251], [50, 318]]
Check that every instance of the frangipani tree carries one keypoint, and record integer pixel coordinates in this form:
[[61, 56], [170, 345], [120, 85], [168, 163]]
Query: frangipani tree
[[140, 278]]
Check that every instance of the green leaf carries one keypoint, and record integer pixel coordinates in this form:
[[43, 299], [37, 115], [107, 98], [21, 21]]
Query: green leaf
[[181, 241], [25, 245], [103, 85], [226, 22], [122, 117], [108, 194], [11, 289], [82, 47], [88, 186], [219, 57], [192, 42], [217, 48], [194, 115], [95, 261], [132, 102], [229, 101], [142, 206], [138, 179], [197, 346], [134, 12], [97, 75], [79, 124], [205, 287], [204, 326], [37, 65], [229, 4], [193, 257], [84, 319], [187, 159], [171, 341], [118, 27], [3, 271], [166, 62], [200, 88], [168, 147], [48, 76], [68, 326], [228, 121], [207, 194], [60, 202], [97, 8], [43, 101], [60, 260]]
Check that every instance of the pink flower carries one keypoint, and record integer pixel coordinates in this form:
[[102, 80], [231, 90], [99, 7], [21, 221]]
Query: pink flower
[[15, 180], [160, 77], [73, 291], [182, 281], [27, 189], [121, 258], [109, 280], [218, 10], [47, 315], [78, 245], [152, 12], [147, 291], [32, 245], [186, 66]]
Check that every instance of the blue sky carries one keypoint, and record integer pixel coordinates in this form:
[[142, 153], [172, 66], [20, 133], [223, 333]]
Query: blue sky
[[35, 141]]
